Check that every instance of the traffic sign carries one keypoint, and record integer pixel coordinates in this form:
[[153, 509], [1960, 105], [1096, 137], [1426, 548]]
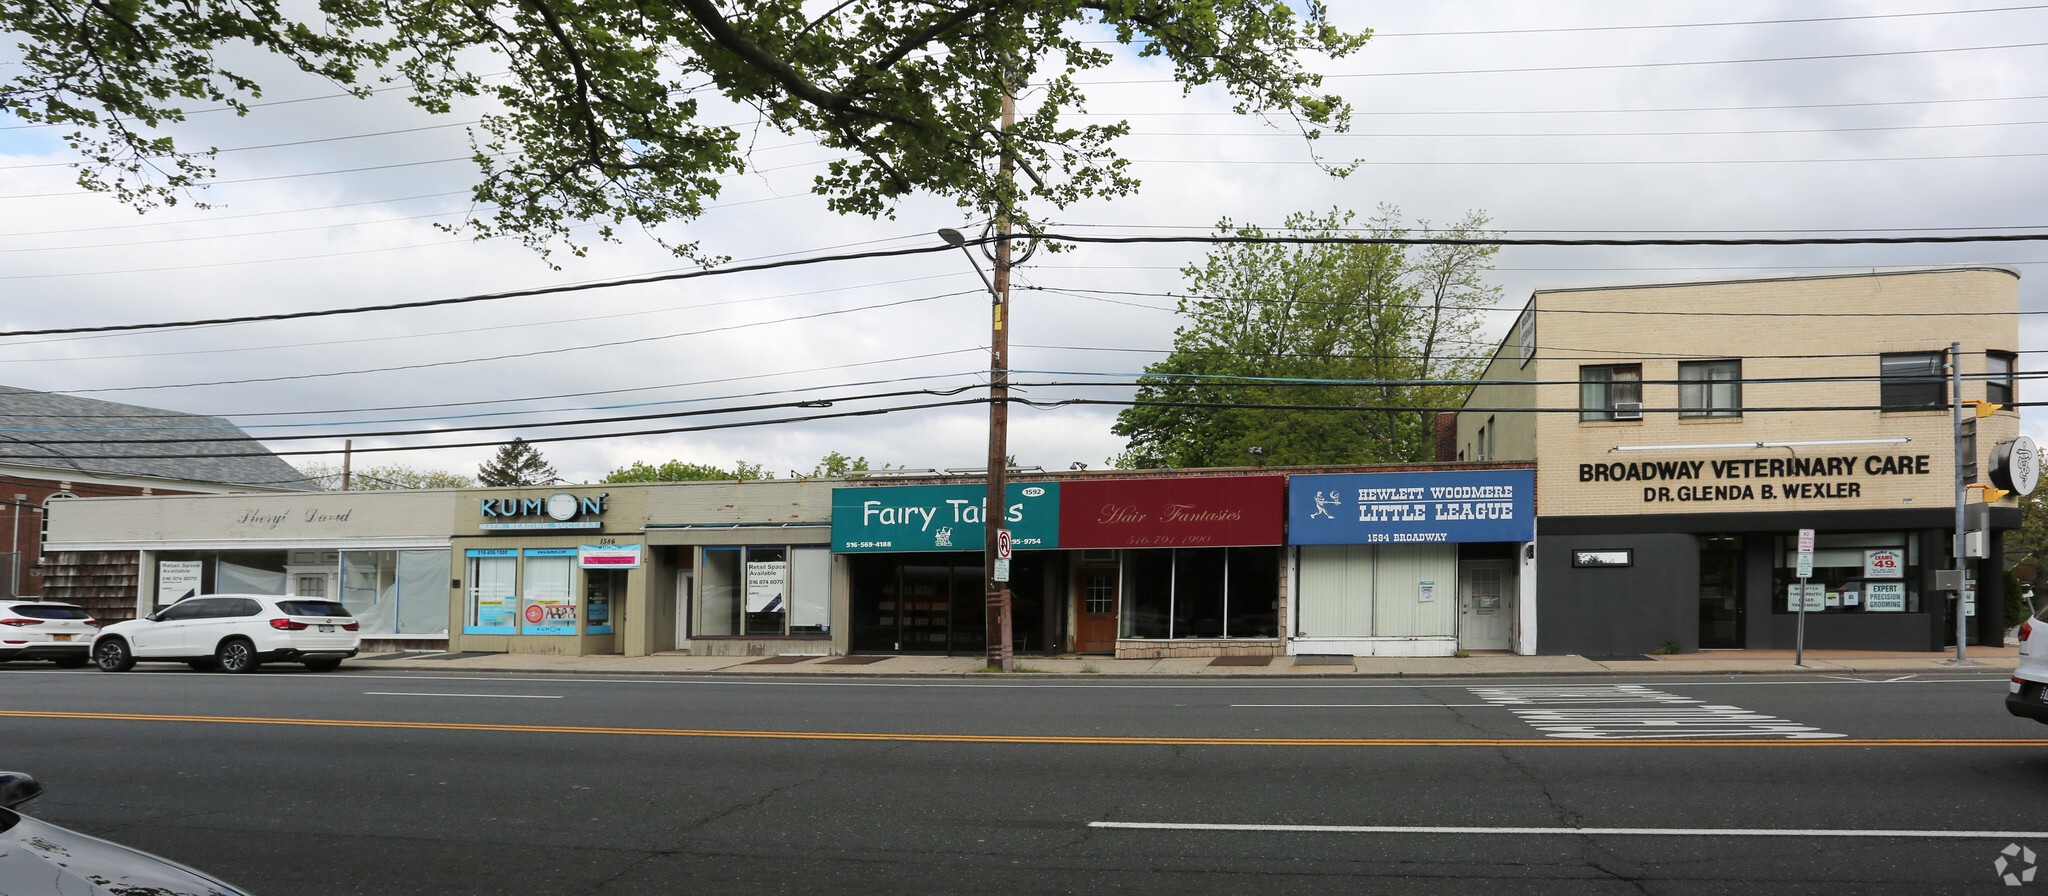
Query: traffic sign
[[1002, 544]]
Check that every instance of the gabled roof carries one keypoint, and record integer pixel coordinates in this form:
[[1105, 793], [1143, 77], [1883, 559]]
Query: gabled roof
[[64, 433]]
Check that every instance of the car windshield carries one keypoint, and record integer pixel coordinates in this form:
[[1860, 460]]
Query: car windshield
[[47, 611], [312, 608]]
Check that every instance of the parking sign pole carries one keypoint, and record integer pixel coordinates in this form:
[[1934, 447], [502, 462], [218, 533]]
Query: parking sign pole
[[1805, 572]]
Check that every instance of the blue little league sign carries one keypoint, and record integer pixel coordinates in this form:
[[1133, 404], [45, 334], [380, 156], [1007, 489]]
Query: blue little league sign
[[1412, 508]]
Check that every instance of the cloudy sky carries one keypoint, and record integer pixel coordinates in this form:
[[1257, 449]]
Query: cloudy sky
[[1591, 118]]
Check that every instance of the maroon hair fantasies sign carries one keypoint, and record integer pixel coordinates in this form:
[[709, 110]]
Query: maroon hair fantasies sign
[[1226, 511]]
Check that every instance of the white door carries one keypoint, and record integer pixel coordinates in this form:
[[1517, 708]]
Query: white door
[[1486, 602]]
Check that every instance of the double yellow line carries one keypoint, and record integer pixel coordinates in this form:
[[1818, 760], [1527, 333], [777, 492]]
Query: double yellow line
[[1047, 739]]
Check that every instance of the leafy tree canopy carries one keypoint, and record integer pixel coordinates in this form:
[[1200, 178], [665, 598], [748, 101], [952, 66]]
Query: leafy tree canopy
[[387, 476], [1276, 333], [516, 463], [596, 108], [677, 471], [831, 465]]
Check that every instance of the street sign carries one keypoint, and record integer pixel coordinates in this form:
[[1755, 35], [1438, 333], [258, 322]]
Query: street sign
[[1806, 553], [1003, 546], [1002, 571], [1806, 541]]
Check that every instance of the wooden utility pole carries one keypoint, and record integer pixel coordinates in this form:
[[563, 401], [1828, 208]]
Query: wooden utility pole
[[995, 508]]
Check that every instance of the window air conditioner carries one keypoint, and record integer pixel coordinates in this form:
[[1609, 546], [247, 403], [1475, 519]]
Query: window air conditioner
[[1628, 410]]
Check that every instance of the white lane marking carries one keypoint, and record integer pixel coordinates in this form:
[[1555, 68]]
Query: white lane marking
[[1361, 705], [418, 694], [1597, 832]]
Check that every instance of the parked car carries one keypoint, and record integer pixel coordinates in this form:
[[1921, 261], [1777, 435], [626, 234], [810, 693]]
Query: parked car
[[46, 630], [2028, 695], [39, 857], [233, 632]]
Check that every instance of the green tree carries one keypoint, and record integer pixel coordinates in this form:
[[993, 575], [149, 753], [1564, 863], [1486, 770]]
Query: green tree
[[837, 465], [677, 471], [595, 107], [1277, 330], [386, 476], [517, 463]]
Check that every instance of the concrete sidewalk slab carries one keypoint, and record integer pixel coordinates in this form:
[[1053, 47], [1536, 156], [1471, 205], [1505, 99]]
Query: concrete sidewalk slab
[[1992, 660]]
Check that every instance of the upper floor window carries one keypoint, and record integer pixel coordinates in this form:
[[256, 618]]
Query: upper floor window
[[1710, 389], [1606, 389], [1998, 378], [1911, 381]]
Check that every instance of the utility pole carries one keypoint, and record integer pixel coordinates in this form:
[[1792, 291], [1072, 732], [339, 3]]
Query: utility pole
[[347, 448], [1962, 484], [995, 508]]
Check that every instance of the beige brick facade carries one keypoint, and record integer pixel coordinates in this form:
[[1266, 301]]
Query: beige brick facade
[[1808, 342]]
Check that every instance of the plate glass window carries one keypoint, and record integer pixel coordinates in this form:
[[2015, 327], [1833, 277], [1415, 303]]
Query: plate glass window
[[1600, 388], [1912, 381], [1710, 389]]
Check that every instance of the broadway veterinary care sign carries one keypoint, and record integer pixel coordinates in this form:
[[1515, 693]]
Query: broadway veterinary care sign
[[1839, 477]]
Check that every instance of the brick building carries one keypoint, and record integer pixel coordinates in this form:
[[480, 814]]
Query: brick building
[[1684, 432], [57, 447]]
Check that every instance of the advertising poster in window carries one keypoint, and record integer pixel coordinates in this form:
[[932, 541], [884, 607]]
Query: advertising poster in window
[[767, 582], [1884, 563], [549, 604], [1816, 598], [1884, 597], [177, 580]]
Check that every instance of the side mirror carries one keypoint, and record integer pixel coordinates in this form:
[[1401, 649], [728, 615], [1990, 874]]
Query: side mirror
[[18, 789], [152, 616]]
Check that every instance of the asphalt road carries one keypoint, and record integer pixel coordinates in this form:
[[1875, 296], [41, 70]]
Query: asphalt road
[[289, 782]]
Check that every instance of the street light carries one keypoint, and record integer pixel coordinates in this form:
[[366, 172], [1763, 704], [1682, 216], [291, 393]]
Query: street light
[[995, 509]]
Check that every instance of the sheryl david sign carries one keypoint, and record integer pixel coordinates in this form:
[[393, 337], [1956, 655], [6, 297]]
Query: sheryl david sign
[[1412, 508], [941, 517]]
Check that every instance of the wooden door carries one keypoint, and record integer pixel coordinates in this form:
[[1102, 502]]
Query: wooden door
[[1095, 601]]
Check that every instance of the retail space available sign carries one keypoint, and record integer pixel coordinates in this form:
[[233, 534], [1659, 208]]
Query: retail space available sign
[[608, 556], [1755, 478], [1412, 508], [1217, 511], [942, 517], [558, 511]]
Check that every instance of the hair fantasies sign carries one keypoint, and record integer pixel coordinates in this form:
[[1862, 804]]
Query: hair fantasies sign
[[1756, 478], [1412, 508], [558, 511]]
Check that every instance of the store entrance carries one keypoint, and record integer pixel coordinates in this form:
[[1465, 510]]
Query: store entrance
[[1721, 592], [937, 603]]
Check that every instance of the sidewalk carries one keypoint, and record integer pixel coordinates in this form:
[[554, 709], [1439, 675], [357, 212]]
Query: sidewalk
[[1986, 660]]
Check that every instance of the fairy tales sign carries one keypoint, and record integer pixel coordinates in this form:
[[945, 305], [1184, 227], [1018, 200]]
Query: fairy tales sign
[[1757, 479]]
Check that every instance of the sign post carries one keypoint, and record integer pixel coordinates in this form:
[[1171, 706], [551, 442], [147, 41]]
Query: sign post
[[1805, 572]]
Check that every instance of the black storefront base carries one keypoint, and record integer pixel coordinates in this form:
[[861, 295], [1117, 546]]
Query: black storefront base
[[1642, 607]]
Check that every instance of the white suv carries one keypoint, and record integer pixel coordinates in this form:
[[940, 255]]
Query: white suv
[[234, 632], [45, 630], [2028, 695]]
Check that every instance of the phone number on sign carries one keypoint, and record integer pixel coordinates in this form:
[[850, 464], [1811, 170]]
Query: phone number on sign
[[868, 544]]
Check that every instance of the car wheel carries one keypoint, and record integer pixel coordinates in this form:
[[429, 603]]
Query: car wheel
[[112, 655], [323, 665], [72, 662], [237, 656], [205, 665]]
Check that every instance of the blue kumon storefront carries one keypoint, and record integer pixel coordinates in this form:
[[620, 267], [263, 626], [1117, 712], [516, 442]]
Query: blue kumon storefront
[[1412, 563]]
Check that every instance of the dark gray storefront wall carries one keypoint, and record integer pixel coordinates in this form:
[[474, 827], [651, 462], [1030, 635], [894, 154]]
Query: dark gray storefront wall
[[1636, 609], [1617, 609]]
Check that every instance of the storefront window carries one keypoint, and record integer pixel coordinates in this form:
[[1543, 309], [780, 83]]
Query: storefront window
[[766, 591], [396, 592], [250, 572], [547, 604], [493, 598], [1201, 593], [599, 587], [1853, 572]]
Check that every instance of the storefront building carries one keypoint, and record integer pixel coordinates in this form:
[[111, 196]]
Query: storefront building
[[1410, 561], [1678, 457], [1413, 563]]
